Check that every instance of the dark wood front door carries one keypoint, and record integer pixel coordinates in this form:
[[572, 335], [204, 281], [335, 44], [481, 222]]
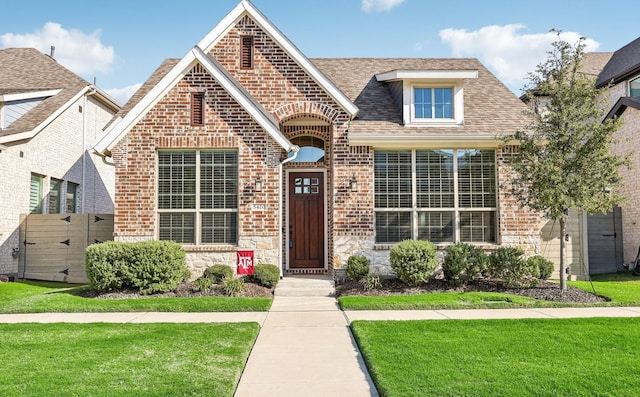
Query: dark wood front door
[[306, 220]]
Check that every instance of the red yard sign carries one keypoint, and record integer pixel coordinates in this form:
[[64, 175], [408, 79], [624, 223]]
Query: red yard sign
[[245, 262]]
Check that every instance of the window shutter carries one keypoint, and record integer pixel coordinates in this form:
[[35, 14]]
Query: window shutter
[[246, 52], [197, 108]]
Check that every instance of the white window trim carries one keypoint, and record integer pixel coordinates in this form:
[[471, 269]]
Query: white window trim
[[456, 209], [408, 108], [636, 77]]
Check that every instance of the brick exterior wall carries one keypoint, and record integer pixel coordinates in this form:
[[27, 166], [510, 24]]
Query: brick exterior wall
[[56, 152]]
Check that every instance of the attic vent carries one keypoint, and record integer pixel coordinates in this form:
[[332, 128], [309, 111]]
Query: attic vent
[[197, 108], [246, 52]]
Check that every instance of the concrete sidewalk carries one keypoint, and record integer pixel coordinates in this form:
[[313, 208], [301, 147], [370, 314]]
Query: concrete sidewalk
[[305, 348]]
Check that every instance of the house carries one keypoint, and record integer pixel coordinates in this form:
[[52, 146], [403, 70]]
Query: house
[[621, 78], [246, 144], [49, 117]]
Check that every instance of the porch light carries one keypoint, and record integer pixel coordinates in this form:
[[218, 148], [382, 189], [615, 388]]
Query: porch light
[[353, 184], [258, 185]]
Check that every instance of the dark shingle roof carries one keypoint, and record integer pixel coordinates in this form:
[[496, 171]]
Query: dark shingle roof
[[489, 106], [27, 70], [623, 63]]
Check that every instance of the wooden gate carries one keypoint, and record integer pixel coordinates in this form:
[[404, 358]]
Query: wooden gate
[[605, 242], [52, 246]]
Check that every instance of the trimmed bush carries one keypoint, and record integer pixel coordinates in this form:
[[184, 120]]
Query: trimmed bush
[[545, 267], [357, 267], [266, 275], [463, 263], [508, 264], [413, 261], [149, 266], [218, 272], [233, 286]]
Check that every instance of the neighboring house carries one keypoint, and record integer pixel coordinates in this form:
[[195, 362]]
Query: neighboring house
[[246, 144], [48, 118]]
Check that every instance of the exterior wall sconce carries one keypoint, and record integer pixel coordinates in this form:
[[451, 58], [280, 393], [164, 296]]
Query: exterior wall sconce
[[258, 185], [353, 184], [15, 252]]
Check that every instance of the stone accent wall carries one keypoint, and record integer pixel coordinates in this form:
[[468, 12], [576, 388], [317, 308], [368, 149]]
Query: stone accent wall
[[56, 152]]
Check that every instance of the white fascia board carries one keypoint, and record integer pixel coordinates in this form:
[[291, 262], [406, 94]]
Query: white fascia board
[[30, 134], [245, 7], [107, 99], [28, 95], [120, 129], [257, 112], [399, 141], [396, 75]]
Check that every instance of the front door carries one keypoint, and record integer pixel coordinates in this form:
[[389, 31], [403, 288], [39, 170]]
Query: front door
[[306, 220]]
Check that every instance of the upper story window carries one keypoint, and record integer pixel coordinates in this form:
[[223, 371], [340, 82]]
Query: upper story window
[[634, 87], [429, 97], [432, 103]]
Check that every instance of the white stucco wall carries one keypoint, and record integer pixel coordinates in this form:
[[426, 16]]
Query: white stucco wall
[[59, 151]]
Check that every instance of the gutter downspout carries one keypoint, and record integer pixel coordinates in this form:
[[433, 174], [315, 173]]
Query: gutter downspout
[[91, 91], [295, 150]]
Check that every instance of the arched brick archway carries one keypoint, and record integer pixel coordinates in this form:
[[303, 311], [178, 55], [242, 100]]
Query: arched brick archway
[[292, 110]]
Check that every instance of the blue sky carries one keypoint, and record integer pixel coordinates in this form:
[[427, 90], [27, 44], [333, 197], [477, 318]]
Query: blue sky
[[120, 43]]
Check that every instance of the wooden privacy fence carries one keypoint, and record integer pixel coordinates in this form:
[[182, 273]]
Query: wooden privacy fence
[[52, 246]]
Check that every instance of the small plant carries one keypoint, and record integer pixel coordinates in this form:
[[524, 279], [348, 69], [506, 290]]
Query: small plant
[[232, 286], [218, 272], [508, 264], [266, 275], [357, 267], [545, 267], [371, 281], [463, 263], [413, 261], [202, 284]]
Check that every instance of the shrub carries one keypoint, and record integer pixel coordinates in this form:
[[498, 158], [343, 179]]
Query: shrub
[[266, 275], [149, 266], [202, 284], [413, 261], [545, 267], [232, 286], [371, 281], [357, 267], [508, 264], [218, 272], [463, 263]]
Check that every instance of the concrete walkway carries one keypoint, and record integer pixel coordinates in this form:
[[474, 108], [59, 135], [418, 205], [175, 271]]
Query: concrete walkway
[[305, 348]]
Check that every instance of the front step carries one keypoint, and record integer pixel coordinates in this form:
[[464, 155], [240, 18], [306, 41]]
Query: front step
[[305, 285]]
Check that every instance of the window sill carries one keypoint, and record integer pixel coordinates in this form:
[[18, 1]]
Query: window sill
[[209, 248], [435, 123]]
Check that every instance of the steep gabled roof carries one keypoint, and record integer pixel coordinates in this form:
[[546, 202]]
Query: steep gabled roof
[[624, 63], [27, 70], [170, 72]]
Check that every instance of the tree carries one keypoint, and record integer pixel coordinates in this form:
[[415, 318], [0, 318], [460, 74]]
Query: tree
[[565, 159]]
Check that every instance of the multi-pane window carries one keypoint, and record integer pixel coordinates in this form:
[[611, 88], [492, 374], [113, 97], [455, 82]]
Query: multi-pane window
[[437, 195], [198, 196], [55, 190], [35, 194], [433, 102], [72, 197]]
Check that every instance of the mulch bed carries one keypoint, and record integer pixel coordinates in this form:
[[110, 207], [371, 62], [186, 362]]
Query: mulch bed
[[545, 290], [250, 290]]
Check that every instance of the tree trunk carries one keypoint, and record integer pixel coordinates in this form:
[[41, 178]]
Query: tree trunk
[[563, 249]]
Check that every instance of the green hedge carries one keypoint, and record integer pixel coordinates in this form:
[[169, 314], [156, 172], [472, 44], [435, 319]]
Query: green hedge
[[150, 266], [413, 261], [266, 275], [357, 267]]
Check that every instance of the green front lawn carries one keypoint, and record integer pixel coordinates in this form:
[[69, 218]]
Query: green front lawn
[[123, 359], [621, 289], [533, 357], [39, 297]]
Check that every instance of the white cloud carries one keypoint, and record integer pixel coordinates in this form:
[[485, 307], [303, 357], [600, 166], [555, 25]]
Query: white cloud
[[508, 53], [122, 95], [80, 52], [379, 5]]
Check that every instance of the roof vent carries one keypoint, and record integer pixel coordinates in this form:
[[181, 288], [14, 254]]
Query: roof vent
[[53, 51]]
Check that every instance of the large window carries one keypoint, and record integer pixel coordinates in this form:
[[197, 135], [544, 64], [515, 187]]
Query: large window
[[198, 196], [432, 103], [436, 195]]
